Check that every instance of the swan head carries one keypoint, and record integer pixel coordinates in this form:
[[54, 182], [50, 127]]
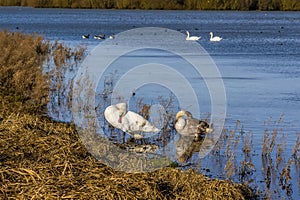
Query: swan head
[[122, 109], [203, 127], [180, 114], [183, 113], [211, 33]]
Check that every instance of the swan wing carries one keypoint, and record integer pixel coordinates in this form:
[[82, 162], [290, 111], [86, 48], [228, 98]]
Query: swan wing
[[131, 121], [193, 38], [216, 39], [138, 123], [196, 38], [183, 128], [180, 124]]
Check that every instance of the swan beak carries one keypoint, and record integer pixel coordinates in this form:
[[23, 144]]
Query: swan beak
[[209, 130], [120, 119]]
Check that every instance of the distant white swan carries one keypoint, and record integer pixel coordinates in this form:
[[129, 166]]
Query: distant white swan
[[130, 122], [214, 39], [188, 37], [186, 125]]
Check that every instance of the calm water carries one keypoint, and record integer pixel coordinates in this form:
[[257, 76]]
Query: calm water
[[259, 56]]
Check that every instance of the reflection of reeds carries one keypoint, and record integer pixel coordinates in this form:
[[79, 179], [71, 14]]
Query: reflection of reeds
[[296, 149], [62, 67], [243, 166]]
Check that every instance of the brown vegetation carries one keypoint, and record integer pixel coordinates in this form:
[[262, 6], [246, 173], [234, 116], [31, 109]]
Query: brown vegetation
[[43, 159], [26, 76], [21, 63]]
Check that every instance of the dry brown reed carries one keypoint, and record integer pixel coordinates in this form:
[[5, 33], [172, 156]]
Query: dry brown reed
[[231, 167], [22, 57], [23, 62]]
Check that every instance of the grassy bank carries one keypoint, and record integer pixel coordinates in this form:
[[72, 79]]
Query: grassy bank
[[44, 159], [161, 4]]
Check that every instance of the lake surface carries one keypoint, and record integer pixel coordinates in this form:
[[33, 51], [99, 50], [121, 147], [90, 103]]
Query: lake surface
[[258, 58]]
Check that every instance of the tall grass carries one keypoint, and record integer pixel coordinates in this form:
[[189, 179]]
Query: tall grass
[[22, 67], [21, 61]]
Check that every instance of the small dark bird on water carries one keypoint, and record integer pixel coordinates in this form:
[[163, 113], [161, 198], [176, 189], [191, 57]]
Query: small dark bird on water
[[99, 37], [85, 36]]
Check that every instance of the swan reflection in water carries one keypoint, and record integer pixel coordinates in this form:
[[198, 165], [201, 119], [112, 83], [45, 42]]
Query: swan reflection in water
[[186, 146], [191, 133]]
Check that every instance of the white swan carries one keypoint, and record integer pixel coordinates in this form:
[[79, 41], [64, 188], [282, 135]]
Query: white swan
[[130, 122], [214, 39], [186, 125], [188, 37]]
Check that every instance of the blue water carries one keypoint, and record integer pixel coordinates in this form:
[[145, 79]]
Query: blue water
[[258, 58]]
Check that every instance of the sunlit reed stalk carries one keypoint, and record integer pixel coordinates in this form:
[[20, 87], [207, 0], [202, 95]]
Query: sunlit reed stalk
[[296, 149], [265, 145], [246, 166], [281, 147], [230, 167], [285, 177]]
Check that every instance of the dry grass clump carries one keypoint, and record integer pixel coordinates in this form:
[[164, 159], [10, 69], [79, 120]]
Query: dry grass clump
[[23, 63], [42, 159], [22, 57]]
